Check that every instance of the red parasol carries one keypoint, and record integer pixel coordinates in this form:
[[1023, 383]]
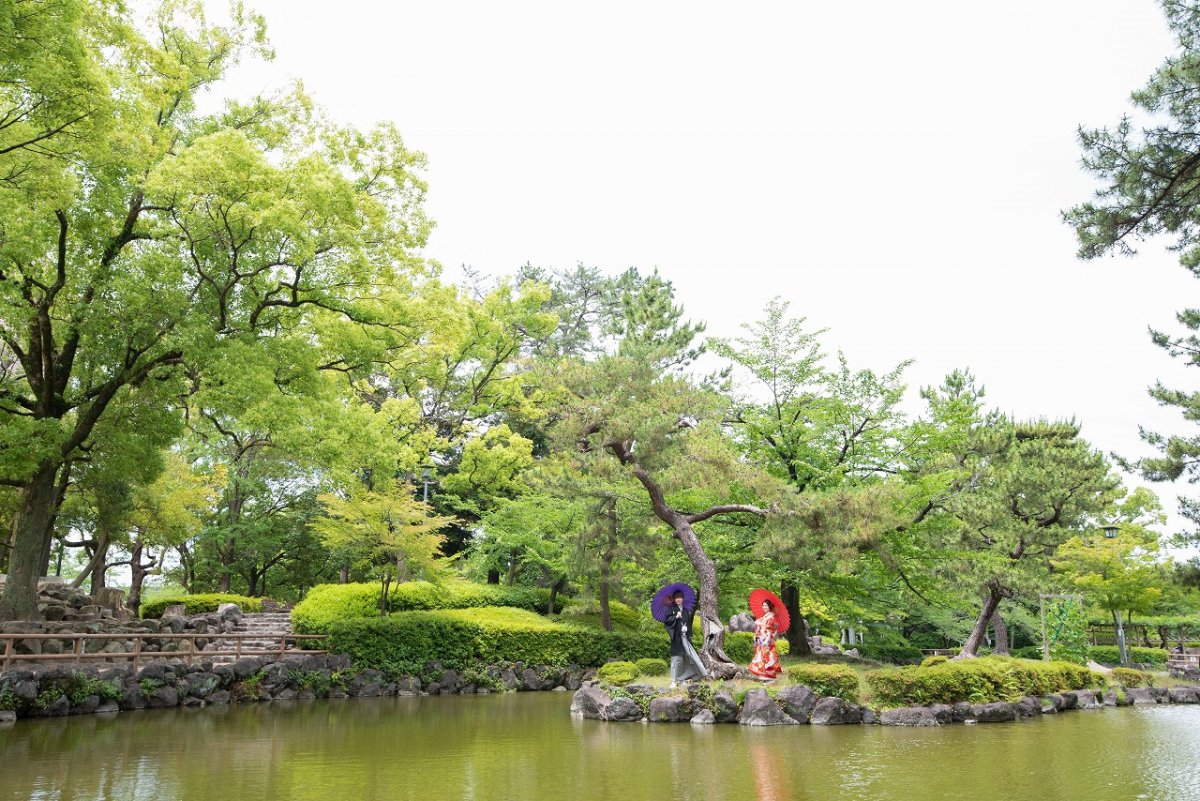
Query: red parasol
[[782, 618]]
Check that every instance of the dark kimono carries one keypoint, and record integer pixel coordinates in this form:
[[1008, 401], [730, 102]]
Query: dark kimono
[[685, 662]]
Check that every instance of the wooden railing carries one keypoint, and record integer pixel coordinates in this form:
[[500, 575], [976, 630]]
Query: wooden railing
[[78, 654], [1184, 660]]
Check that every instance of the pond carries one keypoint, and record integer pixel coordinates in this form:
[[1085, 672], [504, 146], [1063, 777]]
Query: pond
[[524, 747]]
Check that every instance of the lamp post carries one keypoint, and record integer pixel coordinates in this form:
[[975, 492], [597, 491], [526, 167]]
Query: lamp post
[[1110, 533]]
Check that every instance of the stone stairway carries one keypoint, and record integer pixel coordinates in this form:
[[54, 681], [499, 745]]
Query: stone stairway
[[268, 626]]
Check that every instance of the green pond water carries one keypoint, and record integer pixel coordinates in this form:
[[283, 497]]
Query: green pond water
[[519, 747]]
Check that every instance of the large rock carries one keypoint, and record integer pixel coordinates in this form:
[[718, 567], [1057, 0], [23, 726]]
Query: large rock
[[797, 701], [670, 709], [229, 612], [1028, 707], [995, 712], [590, 701], [1184, 695], [1084, 699], [202, 685], [725, 707], [7, 717], [1140, 696], [163, 698], [741, 622], [702, 718], [624, 710], [943, 713], [834, 712], [760, 709], [909, 716]]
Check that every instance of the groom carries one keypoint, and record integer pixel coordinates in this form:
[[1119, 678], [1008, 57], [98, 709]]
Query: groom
[[685, 662]]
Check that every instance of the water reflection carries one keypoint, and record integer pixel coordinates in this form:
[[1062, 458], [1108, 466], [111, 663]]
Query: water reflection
[[528, 747]]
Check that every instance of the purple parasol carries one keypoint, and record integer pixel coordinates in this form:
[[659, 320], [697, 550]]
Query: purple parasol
[[662, 600]]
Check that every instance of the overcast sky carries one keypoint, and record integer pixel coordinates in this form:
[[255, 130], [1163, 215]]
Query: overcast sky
[[895, 170]]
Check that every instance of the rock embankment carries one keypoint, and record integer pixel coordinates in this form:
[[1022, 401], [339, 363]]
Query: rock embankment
[[798, 704]]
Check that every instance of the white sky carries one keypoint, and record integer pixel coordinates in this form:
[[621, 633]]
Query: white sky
[[895, 170]]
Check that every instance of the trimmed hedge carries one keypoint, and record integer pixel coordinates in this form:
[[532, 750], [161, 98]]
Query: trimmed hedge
[[404, 643], [326, 604], [977, 680], [836, 680], [621, 615], [199, 604], [617, 672], [739, 646], [1132, 678], [652, 667], [1110, 655]]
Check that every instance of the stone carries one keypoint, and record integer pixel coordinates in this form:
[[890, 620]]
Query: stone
[[995, 712], [909, 716], [704, 717], [670, 709], [1140, 696], [725, 707], [54, 612], [107, 708], [176, 623], [1184, 695], [1068, 701], [590, 701], [163, 697], [229, 612], [1052, 703], [943, 713], [87, 706], [246, 667], [741, 622], [408, 685], [853, 652], [530, 680], [624, 710], [835, 711], [133, 698], [26, 691], [509, 680], [174, 610], [869, 716], [1084, 699], [7, 717], [221, 697], [202, 685], [286, 694], [1028, 707], [797, 701], [58, 707]]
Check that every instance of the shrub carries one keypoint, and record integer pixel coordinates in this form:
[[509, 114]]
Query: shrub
[[326, 604], [930, 661], [977, 680], [200, 603], [1030, 652], [1110, 655], [886, 645], [618, 672], [621, 615], [404, 643], [1132, 678], [739, 646], [836, 680], [650, 666]]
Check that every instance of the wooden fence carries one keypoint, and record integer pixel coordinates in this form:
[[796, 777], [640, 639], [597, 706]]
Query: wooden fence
[[78, 653]]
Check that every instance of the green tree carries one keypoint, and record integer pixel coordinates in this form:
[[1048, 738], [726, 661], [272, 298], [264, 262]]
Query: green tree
[[1149, 173], [161, 235]]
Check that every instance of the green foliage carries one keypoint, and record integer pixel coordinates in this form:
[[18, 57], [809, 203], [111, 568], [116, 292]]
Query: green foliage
[[327, 604], [979, 681], [620, 614], [829, 680], [652, 666], [887, 645], [148, 686], [199, 604], [739, 645], [1110, 655], [8, 699], [1066, 630], [403, 643], [1127, 677], [931, 661], [618, 672]]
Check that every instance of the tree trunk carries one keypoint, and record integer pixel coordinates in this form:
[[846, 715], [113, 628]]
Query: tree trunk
[[797, 633], [719, 664], [137, 576], [991, 601], [1001, 632], [32, 532], [344, 575], [493, 576], [555, 589], [227, 564], [606, 560]]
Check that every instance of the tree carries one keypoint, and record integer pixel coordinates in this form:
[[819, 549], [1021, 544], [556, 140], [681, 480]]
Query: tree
[[1149, 175], [159, 235], [388, 532]]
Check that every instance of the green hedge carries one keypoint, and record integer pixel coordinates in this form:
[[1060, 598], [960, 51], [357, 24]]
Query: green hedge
[[621, 615], [886, 645], [327, 604], [617, 672], [199, 604], [836, 680], [739, 646], [1110, 655], [977, 680], [402, 644], [1132, 678], [650, 666]]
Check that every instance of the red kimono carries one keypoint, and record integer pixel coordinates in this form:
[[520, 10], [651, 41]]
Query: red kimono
[[766, 659]]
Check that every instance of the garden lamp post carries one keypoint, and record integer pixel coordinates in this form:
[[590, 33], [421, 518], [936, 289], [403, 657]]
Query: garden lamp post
[[426, 480], [1110, 533]]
